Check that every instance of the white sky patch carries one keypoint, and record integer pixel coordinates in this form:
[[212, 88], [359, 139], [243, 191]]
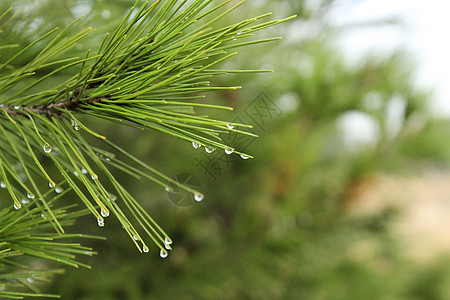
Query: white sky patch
[[424, 33], [358, 130]]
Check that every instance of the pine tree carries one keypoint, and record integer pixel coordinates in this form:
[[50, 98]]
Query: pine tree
[[152, 72]]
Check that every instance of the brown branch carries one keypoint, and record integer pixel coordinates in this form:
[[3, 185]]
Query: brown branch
[[55, 108], [52, 109]]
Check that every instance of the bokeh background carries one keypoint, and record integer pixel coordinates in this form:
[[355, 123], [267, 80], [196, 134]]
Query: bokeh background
[[348, 196]]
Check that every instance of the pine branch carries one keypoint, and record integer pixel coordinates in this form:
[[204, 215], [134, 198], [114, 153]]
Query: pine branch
[[150, 73], [26, 234]]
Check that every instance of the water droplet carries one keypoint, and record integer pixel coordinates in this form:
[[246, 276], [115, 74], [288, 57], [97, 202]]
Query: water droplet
[[229, 150], [2, 185], [58, 190], [198, 197], [75, 125], [84, 171], [94, 176], [43, 216], [167, 240], [25, 201], [231, 126], [163, 253], [17, 205], [30, 280], [100, 221], [145, 249], [75, 173], [51, 184], [108, 159], [30, 196], [167, 247], [209, 150], [168, 189], [104, 212], [16, 106], [239, 33], [135, 238], [244, 156], [196, 145], [47, 148]]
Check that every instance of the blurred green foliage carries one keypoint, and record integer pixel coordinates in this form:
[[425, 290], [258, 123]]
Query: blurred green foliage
[[275, 227]]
